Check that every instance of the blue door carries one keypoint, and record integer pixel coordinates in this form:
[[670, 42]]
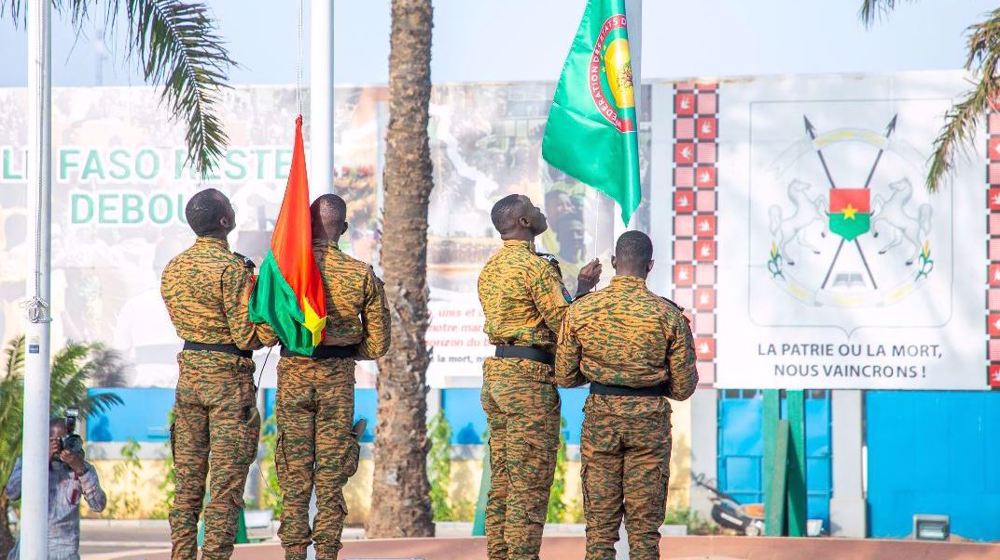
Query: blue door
[[741, 448], [937, 453]]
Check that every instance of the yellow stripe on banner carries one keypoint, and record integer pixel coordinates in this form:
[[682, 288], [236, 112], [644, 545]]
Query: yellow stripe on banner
[[314, 323]]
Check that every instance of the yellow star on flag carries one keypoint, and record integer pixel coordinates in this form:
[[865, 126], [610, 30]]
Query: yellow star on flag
[[850, 212]]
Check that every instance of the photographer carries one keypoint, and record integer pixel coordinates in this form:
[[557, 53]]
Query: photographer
[[70, 477]]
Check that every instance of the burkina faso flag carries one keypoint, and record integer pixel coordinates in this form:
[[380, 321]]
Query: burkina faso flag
[[289, 292], [850, 212]]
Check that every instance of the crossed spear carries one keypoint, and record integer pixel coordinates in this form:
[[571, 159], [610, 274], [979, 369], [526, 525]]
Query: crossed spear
[[889, 129]]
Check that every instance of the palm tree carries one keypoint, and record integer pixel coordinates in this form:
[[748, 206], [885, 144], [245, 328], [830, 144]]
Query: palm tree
[[177, 45], [72, 368], [982, 58], [401, 504]]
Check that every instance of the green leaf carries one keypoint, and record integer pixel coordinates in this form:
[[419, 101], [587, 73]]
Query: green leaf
[[178, 47]]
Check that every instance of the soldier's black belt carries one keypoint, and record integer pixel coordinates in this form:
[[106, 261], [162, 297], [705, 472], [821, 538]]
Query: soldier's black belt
[[323, 352], [525, 352], [621, 391], [226, 348]]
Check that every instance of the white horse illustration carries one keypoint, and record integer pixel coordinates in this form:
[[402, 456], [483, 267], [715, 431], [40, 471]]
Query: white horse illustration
[[808, 213], [892, 214]]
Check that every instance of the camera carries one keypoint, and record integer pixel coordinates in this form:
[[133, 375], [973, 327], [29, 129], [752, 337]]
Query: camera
[[71, 441]]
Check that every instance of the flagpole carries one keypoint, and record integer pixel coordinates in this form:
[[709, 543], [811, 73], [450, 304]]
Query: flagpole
[[35, 468], [321, 97], [633, 14]]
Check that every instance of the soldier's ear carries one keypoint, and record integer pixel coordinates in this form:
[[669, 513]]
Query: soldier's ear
[[614, 263], [649, 266], [344, 230], [524, 222]]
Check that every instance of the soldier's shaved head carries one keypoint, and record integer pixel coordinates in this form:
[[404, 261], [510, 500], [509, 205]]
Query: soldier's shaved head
[[210, 214], [329, 217], [515, 217], [507, 211], [633, 254]]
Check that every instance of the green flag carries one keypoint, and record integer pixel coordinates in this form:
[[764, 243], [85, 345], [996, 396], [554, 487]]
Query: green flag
[[591, 132]]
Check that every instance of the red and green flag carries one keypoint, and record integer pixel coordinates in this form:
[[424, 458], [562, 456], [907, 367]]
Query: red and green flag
[[289, 291], [850, 212], [591, 131]]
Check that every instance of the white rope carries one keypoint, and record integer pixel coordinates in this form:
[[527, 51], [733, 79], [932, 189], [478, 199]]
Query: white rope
[[298, 63], [36, 307]]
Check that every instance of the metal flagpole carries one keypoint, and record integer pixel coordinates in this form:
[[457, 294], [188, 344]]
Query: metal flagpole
[[35, 469], [633, 13], [320, 121], [321, 96]]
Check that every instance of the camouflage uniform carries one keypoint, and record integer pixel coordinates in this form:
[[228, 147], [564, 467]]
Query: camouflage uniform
[[206, 290], [625, 335], [524, 302], [315, 405]]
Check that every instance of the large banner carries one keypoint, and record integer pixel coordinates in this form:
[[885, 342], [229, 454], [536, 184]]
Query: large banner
[[120, 186], [836, 267]]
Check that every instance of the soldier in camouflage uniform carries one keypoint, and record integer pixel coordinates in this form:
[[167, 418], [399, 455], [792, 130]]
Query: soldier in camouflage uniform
[[206, 290], [635, 349], [315, 403], [524, 301]]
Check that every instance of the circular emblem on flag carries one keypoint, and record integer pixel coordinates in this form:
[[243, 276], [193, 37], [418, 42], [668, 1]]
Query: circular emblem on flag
[[862, 242], [610, 74]]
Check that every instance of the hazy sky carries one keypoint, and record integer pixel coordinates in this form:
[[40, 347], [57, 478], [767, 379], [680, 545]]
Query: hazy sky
[[504, 40]]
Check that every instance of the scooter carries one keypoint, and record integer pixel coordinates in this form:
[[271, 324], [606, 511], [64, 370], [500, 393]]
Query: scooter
[[747, 519]]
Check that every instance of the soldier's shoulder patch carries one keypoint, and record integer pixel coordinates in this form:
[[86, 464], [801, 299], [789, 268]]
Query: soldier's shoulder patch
[[371, 270], [673, 304], [247, 262]]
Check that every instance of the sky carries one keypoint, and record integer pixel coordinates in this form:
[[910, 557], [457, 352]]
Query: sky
[[512, 40]]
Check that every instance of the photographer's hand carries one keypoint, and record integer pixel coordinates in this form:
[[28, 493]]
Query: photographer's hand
[[74, 461], [54, 447]]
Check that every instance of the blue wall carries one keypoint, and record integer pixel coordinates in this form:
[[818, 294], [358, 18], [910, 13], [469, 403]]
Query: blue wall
[[934, 453], [143, 417]]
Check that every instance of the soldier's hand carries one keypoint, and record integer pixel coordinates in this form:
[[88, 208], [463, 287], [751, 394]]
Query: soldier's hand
[[589, 276]]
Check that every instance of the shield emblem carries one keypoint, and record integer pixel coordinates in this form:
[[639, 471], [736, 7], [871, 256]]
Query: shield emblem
[[850, 212]]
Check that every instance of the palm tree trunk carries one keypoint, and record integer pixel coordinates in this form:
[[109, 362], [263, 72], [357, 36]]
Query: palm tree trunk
[[400, 492], [6, 538]]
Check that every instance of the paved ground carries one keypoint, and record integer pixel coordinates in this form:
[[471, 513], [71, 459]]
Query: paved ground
[[99, 538]]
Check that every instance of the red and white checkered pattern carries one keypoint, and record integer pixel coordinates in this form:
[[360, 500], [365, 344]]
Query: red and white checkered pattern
[[695, 152], [993, 252]]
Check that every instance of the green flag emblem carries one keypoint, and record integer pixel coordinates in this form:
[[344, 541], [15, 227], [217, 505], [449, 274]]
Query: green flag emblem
[[591, 131]]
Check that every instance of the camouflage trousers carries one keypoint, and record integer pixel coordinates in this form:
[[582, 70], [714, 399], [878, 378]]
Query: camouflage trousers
[[216, 426], [315, 408], [522, 411], [625, 448]]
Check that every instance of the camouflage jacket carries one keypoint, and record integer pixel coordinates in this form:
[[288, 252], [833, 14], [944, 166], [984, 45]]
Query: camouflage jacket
[[207, 290], [356, 310], [522, 297], [627, 335]]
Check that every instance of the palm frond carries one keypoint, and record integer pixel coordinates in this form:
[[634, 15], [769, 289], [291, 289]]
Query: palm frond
[[14, 364], [871, 10], [69, 377], [99, 403], [962, 121], [106, 367], [178, 47], [17, 13]]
